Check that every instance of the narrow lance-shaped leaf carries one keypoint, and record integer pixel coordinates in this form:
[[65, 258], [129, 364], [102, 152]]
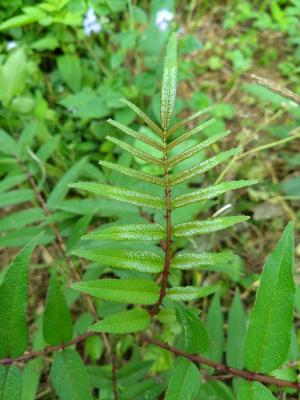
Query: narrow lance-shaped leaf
[[57, 321], [69, 376], [189, 293], [151, 232], [209, 192], [215, 328], [186, 260], [143, 116], [143, 176], [136, 260], [269, 333], [208, 226], [136, 152], [136, 135], [122, 194], [13, 303], [169, 82], [190, 134], [10, 383], [130, 291], [129, 321], [189, 119], [184, 382], [202, 167], [195, 149]]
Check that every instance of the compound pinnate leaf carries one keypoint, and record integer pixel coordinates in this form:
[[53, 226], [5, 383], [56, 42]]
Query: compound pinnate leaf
[[188, 229], [209, 192], [184, 382], [69, 376], [10, 383], [169, 82], [269, 333], [136, 260], [13, 303], [187, 260], [138, 232], [57, 321], [122, 194], [128, 321], [254, 391], [189, 293], [131, 291]]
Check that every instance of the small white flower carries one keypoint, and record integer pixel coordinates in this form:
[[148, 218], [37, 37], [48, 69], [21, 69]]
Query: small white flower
[[11, 45], [163, 17], [90, 23]]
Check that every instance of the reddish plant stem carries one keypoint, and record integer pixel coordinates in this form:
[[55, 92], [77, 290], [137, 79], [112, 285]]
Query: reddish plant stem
[[168, 241], [234, 372]]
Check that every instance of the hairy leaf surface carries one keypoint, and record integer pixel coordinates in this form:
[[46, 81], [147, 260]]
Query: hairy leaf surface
[[187, 260], [189, 293]]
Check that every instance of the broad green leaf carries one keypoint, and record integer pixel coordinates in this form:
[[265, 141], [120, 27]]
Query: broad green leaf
[[254, 391], [202, 167], [129, 321], [13, 304], [20, 219], [190, 152], [19, 20], [61, 188], [215, 328], [236, 331], [136, 152], [131, 291], [136, 135], [143, 116], [10, 383], [122, 194], [69, 376], [186, 260], [215, 390], [269, 333], [57, 321], [128, 232], [31, 375], [189, 293], [189, 134], [69, 67], [147, 389], [189, 119], [209, 192], [169, 83], [195, 333], [14, 197], [184, 382], [143, 176], [136, 260], [188, 229]]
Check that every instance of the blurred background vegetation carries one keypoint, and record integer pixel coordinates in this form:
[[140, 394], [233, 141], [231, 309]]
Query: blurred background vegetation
[[64, 65]]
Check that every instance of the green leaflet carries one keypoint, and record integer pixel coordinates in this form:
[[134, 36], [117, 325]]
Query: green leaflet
[[14, 197], [189, 293], [20, 219], [195, 333], [146, 389], [128, 232], [169, 83], [202, 167], [122, 194], [186, 260], [215, 328], [69, 376], [184, 382], [209, 192], [190, 133], [57, 320], [254, 391], [129, 321], [136, 135], [143, 176], [131, 291], [210, 225], [10, 383], [236, 331], [31, 375], [195, 149], [13, 303], [61, 188], [189, 119], [136, 260], [269, 333], [10, 181], [136, 152], [143, 116]]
